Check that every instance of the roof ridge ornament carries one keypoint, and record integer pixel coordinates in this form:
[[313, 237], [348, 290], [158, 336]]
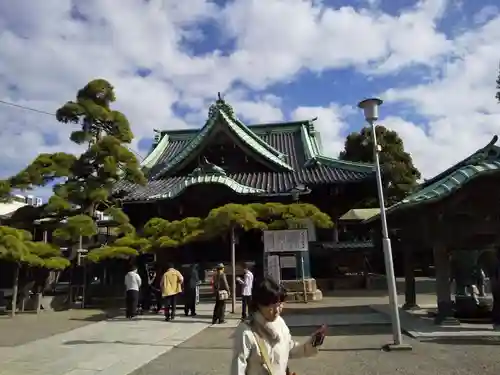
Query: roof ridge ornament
[[157, 136], [489, 153], [310, 126], [220, 105], [207, 168]]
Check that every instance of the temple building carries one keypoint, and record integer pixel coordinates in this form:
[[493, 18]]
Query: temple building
[[192, 171], [453, 221]]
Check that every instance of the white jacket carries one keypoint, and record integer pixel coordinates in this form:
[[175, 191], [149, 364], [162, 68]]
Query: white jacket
[[279, 343]]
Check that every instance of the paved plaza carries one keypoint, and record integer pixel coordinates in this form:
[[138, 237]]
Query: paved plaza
[[190, 346]]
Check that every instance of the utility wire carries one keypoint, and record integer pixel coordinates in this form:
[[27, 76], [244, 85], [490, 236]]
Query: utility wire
[[25, 108]]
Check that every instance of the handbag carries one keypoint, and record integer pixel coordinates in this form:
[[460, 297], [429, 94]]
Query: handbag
[[222, 295]]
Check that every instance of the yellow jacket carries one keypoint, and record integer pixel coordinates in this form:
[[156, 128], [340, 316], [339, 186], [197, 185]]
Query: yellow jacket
[[171, 282]]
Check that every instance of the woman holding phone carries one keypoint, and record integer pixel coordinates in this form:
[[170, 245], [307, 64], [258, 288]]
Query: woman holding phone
[[264, 345]]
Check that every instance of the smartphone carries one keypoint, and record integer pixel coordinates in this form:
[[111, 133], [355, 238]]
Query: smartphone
[[319, 337]]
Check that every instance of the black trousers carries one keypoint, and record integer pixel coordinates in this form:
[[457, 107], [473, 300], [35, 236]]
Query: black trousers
[[170, 305], [245, 304], [131, 303], [158, 299], [495, 313], [190, 302], [146, 298], [219, 311]]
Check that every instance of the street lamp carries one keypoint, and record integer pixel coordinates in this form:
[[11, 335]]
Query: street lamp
[[370, 109]]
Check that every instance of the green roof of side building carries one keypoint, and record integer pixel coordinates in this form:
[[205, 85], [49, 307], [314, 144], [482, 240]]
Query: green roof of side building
[[484, 161]]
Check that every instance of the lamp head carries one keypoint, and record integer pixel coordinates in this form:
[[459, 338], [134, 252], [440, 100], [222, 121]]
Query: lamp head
[[370, 108]]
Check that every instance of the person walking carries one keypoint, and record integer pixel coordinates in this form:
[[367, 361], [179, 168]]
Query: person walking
[[190, 291], [147, 290], [171, 286], [495, 292], [221, 289], [264, 345], [132, 284], [246, 293]]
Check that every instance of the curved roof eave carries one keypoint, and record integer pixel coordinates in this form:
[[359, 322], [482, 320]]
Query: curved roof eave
[[253, 144], [193, 144], [444, 187], [344, 164], [200, 137], [178, 188], [152, 158]]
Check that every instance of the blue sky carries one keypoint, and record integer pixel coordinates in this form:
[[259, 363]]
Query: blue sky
[[434, 62]]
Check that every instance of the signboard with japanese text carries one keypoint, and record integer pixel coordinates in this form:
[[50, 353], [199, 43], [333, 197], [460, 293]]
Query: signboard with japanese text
[[288, 240]]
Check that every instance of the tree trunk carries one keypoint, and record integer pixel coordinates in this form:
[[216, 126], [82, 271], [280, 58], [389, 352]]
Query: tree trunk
[[410, 287], [233, 268], [15, 287], [70, 287], [442, 265]]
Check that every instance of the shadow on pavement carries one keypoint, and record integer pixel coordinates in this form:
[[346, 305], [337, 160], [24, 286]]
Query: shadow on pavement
[[364, 330], [312, 309], [99, 316], [228, 347], [355, 349], [349, 293], [161, 319], [464, 341], [94, 342]]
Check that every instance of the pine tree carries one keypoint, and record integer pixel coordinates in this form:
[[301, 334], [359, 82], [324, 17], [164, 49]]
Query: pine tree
[[87, 179], [17, 247]]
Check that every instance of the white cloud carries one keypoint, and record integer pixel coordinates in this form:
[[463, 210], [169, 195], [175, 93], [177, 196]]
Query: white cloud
[[460, 107], [46, 56], [276, 39], [330, 123], [485, 14]]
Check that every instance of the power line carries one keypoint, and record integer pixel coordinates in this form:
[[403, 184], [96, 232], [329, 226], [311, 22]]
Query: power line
[[25, 108]]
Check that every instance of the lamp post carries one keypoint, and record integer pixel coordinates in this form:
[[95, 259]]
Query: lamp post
[[296, 196], [370, 109]]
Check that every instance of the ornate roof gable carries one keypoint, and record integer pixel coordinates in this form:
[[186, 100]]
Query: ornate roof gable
[[220, 114]]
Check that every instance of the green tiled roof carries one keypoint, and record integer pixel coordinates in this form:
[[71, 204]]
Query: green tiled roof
[[290, 152], [482, 162], [221, 110], [314, 156], [177, 188]]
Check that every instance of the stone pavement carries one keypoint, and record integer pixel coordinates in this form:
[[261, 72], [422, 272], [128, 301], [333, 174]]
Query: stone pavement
[[348, 350], [29, 326], [422, 327], [118, 346], [151, 346], [113, 347]]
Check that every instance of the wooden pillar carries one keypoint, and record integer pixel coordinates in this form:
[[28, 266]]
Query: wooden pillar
[[445, 313], [410, 284]]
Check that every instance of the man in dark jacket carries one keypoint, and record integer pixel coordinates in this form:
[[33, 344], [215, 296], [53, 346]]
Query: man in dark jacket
[[193, 280]]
